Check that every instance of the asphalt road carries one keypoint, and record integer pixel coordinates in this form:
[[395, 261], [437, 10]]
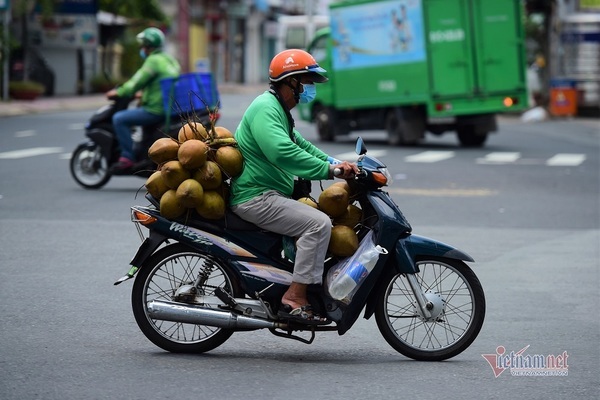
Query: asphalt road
[[531, 224]]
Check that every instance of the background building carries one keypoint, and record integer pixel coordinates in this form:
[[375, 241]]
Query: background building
[[236, 39]]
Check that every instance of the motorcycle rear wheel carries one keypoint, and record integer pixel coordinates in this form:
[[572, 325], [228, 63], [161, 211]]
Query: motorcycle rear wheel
[[457, 305], [160, 276], [89, 166]]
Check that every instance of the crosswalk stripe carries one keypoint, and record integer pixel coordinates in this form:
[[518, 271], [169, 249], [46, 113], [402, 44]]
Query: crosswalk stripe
[[36, 151], [566, 160], [429, 156], [499, 158], [25, 133], [77, 127], [351, 155]]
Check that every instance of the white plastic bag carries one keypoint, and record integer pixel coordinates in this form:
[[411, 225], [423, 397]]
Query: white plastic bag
[[344, 278]]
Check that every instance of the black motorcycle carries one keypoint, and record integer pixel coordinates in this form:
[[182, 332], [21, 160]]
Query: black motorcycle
[[92, 160], [198, 281]]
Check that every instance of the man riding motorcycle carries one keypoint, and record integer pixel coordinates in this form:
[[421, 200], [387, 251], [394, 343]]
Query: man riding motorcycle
[[157, 66], [274, 153]]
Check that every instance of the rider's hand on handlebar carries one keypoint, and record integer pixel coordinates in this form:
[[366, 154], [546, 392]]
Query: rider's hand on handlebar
[[345, 170], [111, 94]]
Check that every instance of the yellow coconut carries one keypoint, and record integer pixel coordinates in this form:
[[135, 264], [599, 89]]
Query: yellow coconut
[[350, 218], [170, 206], [192, 154], [173, 174], [333, 201], [212, 207], [230, 160], [192, 130], [344, 185], [209, 175], [156, 185], [163, 149], [190, 193], [343, 242], [309, 202], [222, 132]]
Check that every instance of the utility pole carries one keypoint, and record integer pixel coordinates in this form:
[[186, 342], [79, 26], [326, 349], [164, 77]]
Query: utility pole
[[183, 31], [309, 10], [5, 8]]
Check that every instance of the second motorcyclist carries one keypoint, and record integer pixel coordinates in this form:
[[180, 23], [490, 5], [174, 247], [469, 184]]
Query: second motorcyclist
[[157, 65]]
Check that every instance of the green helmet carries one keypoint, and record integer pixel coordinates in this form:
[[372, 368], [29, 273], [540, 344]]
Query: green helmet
[[151, 37]]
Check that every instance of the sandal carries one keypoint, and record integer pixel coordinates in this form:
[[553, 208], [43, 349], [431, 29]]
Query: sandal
[[303, 315]]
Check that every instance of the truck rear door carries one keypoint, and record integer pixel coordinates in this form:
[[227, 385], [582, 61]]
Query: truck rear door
[[474, 47], [449, 47], [499, 51]]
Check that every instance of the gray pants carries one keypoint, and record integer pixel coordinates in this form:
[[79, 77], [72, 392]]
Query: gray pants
[[276, 213]]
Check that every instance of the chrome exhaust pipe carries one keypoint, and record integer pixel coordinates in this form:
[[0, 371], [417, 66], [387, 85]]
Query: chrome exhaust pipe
[[193, 314]]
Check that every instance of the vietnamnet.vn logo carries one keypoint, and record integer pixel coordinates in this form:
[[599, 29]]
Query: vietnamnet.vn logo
[[521, 364]]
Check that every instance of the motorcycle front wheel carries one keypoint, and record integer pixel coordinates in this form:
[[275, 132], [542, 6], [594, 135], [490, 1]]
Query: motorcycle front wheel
[[456, 305], [89, 166], [161, 276]]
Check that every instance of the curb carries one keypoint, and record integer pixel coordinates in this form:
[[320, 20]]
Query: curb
[[13, 108]]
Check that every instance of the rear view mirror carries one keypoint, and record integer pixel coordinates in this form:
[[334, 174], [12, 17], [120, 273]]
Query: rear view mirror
[[360, 147]]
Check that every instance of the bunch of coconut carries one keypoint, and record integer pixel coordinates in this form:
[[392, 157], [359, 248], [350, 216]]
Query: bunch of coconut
[[194, 170], [336, 202]]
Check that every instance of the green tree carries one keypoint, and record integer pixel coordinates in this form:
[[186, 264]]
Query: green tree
[[140, 14], [137, 10]]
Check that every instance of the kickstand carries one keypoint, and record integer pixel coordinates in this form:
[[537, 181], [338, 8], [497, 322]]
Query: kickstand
[[288, 335]]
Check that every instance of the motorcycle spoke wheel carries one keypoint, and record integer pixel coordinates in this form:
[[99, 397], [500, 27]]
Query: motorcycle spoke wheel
[[160, 277], [457, 310], [89, 167]]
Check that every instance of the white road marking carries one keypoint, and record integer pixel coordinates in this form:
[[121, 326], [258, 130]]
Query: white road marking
[[429, 156], [566, 160], [351, 155], [25, 133], [77, 127], [36, 151], [444, 192], [499, 158]]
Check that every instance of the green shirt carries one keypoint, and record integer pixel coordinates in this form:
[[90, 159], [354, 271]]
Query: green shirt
[[157, 66], [271, 159]]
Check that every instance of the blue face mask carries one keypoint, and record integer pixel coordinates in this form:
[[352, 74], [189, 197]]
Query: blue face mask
[[142, 53], [308, 94]]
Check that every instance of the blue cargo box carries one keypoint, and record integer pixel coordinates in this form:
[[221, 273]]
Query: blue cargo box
[[189, 92]]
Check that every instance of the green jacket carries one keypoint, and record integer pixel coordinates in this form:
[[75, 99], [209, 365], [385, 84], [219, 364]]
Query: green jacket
[[271, 159], [157, 66]]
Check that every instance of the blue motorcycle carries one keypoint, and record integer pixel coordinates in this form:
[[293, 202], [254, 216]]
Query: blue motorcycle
[[199, 281]]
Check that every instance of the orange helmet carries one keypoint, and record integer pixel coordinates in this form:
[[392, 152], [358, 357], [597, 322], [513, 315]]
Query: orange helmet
[[293, 62]]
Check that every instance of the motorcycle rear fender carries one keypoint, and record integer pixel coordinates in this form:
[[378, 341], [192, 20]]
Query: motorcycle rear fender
[[147, 248]]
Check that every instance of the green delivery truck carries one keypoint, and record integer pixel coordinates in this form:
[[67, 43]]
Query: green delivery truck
[[414, 66]]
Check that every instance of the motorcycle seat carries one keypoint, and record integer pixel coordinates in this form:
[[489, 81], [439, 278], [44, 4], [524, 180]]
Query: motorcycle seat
[[230, 221]]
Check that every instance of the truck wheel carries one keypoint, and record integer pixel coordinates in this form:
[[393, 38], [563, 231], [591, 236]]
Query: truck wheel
[[325, 120], [392, 127], [469, 138], [404, 127]]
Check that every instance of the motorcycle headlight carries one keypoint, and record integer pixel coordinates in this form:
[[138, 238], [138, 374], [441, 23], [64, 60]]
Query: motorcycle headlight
[[382, 177], [387, 175]]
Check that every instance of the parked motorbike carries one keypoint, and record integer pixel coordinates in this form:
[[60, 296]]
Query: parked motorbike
[[199, 281], [92, 160]]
